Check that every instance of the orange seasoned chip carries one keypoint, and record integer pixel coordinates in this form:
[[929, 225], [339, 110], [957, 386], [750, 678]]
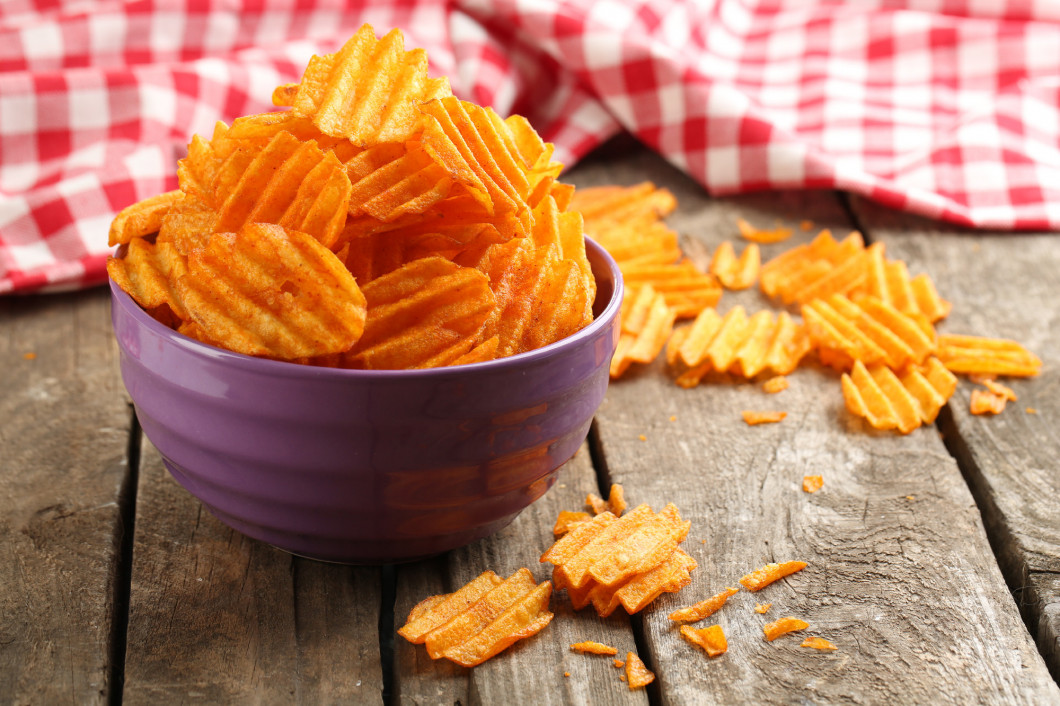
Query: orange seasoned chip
[[986, 402], [637, 675], [424, 314], [889, 402], [775, 384], [368, 91], [435, 611], [508, 611], [818, 643], [594, 648], [704, 608], [760, 578], [757, 235], [732, 272], [997, 388], [762, 608], [647, 546], [638, 592], [618, 203], [149, 273], [783, 626], [686, 290], [753, 418], [567, 520], [615, 504], [811, 484], [976, 355], [647, 323], [141, 218], [711, 639], [295, 297]]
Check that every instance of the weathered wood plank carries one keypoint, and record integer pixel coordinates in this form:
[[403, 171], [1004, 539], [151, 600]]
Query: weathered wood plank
[[900, 575], [220, 618], [64, 427], [532, 670], [1005, 285]]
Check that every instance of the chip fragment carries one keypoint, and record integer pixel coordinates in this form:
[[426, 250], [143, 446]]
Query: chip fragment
[[638, 676], [711, 639], [811, 484], [754, 418], [818, 643], [762, 608], [594, 648], [736, 272], [760, 578], [759, 235], [782, 626], [986, 402], [481, 619], [704, 608]]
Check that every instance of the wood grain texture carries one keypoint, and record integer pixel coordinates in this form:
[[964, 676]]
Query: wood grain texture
[[532, 670], [1004, 285], [900, 575], [64, 426], [216, 617]]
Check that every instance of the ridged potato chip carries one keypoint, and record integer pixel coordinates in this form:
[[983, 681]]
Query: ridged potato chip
[[736, 272], [369, 91], [887, 401], [480, 620], [978, 355], [711, 639], [269, 291], [149, 273], [142, 218], [424, 314]]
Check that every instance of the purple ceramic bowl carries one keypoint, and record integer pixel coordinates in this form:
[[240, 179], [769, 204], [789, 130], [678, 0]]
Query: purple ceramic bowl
[[366, 466]]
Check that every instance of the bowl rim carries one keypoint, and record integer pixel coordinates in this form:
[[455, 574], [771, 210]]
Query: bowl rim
[[288, 369]]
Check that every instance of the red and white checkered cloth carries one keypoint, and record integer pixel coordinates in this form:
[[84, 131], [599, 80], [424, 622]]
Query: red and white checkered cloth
[[948, 108]]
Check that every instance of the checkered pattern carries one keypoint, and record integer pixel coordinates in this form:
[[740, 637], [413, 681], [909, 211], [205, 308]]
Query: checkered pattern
[[948, 108]]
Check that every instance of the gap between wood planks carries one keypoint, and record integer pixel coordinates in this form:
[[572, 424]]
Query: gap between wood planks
[[1013, 566], [121, 582]]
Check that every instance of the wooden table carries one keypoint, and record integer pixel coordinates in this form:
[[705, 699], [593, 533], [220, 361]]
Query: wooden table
[[934, 558]]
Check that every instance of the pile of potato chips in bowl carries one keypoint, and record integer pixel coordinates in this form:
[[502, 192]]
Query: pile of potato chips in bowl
[[366, 327]]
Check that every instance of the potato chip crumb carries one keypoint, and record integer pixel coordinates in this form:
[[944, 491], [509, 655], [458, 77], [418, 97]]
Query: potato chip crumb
[[618, 663], [705, 608], [595, 503], [760, 578], [616, 500], [711, 639], [805, 225], [30, 356], [566, 674], [1031, 410], [756, 235], [1000, 390], [762, 608], [783, 626], [561, 486], [594, 648], [775, 384], [811, 484], [622, 677], [642, 437], [985, 402], [673, 417], [752, 418], [818, 643], [637, 675], [910, 497]]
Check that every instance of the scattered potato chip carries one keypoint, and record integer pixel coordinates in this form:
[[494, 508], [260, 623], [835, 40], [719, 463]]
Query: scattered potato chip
[[986, 402], [818, 643], [617, 203], [889, 402], [997, 388], [686, 290], [637, 675], [594, 648], [976, 355], [736, 273], [647, 322], [704, 608], [753, 418], [618, 663], [615, 504], [481, 619], [567, 520], [816, 269], [760, 578], [756, 235], [811, 484], [711, 639], [783, 626], [775, 384], [762, 608]]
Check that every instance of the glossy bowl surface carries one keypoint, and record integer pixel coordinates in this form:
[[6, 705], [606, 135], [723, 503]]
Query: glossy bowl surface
[[366, 466]]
